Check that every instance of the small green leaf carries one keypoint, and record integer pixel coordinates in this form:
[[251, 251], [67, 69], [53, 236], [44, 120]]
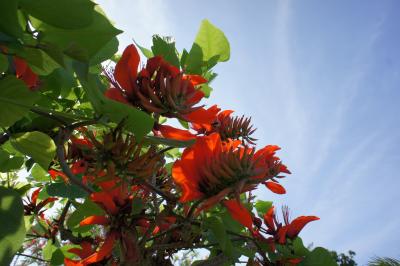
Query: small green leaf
[[3, 63], [319, 256], [262, 207], [37, 145], [12, 224], [206, 89], [48, 250], [146, 52], [9, 23], [15, 100], [57, 258], [166, 48], [61, 189], [217, 228], [64, 14]]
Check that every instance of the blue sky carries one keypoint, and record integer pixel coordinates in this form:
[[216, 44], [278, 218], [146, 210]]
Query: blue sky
[[320, 79]]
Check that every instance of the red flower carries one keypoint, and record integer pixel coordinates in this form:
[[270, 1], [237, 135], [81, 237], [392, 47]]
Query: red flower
[[158, 88], [289, 229], [31, 205], [25, 73], [104, 252], [213, 169]]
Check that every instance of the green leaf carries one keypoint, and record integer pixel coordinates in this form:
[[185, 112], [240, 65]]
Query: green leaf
[[9, 163], [57, 258], [137, 206], [39, 174], [146, 52], [12, 224], [80, 44], [206, 89], [48, 250], [106, 52], [84, 210], [61, 189], [170, 142], [37, 145], [15, 100], [262, 207], [166, 48], [3, 63], [9, 23], [217, 228], [40, 62], [64, 14], [319, 256], [212, 42], [299, 248]]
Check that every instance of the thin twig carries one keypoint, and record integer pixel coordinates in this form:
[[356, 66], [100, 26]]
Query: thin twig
[[32, 257], [60, 139]]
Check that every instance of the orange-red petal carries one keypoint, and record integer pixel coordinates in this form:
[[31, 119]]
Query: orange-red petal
[[269, 218], [195, 79], [175, 133], [275, 187], [298, 224], [116, 95], [239, 213], [104, 251], [105, 200], [126, 69], [95, 219], [201, 116]]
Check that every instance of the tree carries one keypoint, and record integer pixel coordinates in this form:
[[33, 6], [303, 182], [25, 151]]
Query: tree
[[109, 182]]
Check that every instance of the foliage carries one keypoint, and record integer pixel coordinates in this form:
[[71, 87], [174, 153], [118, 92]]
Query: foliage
[[109, 181], [343, 259], [383, 261]]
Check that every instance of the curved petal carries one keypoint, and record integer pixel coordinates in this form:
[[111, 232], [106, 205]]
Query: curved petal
[[269, 218], [175, 133], [239, 213], [275, 187], [195, 79], [202, 116], [106, 201], [126, 69], [104, 251], [95, 219], [298, 224], [83, 252], [116, 95]]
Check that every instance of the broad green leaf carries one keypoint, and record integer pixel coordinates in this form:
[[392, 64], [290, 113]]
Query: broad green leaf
[[61, 189], [39, 174], [48, 250], [299, 248], [84, 210], [12, 224], [166, 48], [3, 63], [106, 52], [57, 257], [81, 44], [15, 100], [319, 256], [170, 142], [40, 62], [64, 14], [212, 42], [262, 207], [37, 145], [9, 163], [9, 23]]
